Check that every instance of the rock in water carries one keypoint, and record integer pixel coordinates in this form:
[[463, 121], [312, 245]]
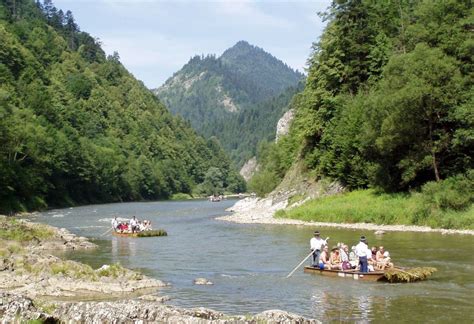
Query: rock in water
[[379, 232], [202, 281]]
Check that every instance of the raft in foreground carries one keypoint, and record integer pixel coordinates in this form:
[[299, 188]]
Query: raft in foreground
[[391, 275], [151, 233]]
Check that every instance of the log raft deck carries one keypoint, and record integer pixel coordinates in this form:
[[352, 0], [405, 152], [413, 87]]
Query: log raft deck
[[125, 234], [348, 274]]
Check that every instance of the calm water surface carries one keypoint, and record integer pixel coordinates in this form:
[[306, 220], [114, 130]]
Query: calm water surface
[[248, 264]]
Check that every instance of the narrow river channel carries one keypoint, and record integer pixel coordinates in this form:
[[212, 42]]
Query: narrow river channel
[[248, 264]]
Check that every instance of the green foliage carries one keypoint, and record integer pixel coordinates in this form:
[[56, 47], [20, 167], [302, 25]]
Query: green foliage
[[445, 204], [111, 271], [213, 182], [237, 97], [15, 230], [263, 182], [152, 233], [181, 196], [454, 193], [77, 128], [389, 94]]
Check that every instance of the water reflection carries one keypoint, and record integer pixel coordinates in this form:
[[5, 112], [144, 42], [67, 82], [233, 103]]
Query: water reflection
[[333, 306], [122, 247]]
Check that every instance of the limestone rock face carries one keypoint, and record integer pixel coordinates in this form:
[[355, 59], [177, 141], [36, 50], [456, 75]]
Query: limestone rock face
[[283, 126], [249, 169], [14, 307]]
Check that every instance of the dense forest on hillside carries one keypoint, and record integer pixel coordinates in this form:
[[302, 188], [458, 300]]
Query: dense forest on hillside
[[237, 97], [388, 101], [241, 133], [77, 127]]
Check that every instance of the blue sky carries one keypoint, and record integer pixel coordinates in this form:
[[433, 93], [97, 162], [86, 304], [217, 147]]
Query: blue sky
[[155, 38]]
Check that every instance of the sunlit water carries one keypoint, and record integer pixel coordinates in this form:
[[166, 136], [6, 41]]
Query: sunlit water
[[248, 264]]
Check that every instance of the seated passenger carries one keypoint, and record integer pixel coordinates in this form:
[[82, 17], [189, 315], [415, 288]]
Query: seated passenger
[[141, 226], [335, 259], [324, 259], [353, 259], [383, 259], [344, 252]]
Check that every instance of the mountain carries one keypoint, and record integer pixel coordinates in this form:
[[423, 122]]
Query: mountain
[[76, 127], [218, 94]]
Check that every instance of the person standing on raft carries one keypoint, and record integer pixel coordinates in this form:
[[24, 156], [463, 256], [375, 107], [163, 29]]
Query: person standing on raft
[[363, 252], [316, 244]]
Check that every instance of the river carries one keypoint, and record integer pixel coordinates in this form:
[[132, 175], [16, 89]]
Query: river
[[248, 264]]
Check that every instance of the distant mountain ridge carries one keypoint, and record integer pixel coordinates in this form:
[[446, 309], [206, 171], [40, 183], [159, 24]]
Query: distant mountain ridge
[[217, 94]]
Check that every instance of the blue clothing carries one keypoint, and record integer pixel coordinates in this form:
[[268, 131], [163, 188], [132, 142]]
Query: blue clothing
[[363, 264], [316, 254], [321, 265]]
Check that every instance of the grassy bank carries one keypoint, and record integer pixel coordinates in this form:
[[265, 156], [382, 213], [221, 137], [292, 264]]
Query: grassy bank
[[368, 206]]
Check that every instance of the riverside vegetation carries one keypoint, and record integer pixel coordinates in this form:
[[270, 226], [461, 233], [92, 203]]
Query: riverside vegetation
[[387, 111], [76, 127]]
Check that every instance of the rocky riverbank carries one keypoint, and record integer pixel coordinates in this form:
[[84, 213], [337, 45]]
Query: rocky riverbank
[[262, 211], [37, 285], [18, 308]]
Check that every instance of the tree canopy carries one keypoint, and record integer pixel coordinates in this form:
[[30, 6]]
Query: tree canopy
[[77, 127], [388, 101]]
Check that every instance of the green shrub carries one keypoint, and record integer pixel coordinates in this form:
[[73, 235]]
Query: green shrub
[[158, 232], [113, 271], [454, 193], [181, 196], [263, 182]]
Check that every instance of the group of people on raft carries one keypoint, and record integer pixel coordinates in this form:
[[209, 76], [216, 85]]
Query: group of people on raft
[[132, 226], [360, 258]]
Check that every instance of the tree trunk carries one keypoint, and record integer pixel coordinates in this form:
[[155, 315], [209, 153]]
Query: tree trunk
[[435, 167]]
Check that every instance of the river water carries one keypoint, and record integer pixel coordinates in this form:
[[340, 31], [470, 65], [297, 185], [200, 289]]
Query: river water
[[248, 264]]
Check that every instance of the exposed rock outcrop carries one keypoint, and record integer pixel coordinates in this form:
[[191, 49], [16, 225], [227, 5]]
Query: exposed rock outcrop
[[249, 169], [283, 125]]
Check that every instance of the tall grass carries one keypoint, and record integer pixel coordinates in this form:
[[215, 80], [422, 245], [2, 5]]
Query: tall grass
[[15, 230], [368, 206]]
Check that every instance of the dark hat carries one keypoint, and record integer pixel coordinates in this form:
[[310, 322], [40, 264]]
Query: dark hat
[[316, 233], [363, 239]]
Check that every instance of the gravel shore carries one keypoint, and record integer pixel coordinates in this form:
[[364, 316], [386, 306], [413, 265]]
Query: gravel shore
[[262, 210]]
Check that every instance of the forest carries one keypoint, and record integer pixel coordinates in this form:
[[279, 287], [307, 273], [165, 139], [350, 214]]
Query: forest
[[387, 105], [237, 97], [76, 127]]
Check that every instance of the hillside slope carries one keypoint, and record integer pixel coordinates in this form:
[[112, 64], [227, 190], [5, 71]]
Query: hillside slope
[[387, 105], [77, 127], [233, 96]]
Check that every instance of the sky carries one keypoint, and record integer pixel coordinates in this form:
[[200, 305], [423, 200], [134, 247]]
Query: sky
[[155, 38]]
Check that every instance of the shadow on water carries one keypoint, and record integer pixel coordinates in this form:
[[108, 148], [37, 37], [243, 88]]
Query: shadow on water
[[248, 264]]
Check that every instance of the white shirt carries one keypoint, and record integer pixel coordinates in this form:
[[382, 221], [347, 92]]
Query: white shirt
[[344, 256], [114, 223], [362, 250], [317, 243], [133, 222]]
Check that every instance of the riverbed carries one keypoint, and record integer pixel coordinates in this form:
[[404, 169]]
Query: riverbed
[[248, 264]]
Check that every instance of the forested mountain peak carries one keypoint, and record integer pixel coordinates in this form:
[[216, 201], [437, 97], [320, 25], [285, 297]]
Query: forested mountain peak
[[77, 127], [231, 95]]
